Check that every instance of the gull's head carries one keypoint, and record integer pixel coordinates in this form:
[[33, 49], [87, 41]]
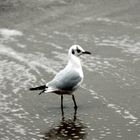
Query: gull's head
[[76, 50]]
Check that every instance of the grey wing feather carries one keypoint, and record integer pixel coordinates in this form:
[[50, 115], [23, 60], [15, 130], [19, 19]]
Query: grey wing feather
[[66, 80]]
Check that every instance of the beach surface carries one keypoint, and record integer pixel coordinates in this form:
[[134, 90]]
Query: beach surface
[[34, 40]]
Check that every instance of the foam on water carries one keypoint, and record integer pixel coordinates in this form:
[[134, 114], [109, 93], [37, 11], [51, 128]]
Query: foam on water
[[8, 34], [54, 45], [27, 59], [120, 110], [117, 22], [13, 118], [125, 43], [123, 112]]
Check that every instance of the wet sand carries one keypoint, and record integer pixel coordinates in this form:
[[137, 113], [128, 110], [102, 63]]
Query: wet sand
[[34, 40]]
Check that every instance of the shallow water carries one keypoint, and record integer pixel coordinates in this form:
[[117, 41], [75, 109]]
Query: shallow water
[[34, 40]]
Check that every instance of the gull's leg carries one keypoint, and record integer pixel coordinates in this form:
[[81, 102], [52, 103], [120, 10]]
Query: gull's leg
[[75, 105], [41, 92], [75, 113], [62, 106]]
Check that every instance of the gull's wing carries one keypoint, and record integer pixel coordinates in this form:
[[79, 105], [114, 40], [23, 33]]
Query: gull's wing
[[66, 80]]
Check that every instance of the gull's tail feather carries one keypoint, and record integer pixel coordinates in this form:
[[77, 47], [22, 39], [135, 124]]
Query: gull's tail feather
[[43, 87]]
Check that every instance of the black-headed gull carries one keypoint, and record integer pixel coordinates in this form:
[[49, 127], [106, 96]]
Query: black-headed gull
[[67, 80]]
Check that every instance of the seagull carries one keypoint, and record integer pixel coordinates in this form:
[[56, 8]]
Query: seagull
[[69, 79]]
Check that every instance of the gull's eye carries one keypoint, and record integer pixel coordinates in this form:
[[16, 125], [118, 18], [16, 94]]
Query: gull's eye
[[78, 50]]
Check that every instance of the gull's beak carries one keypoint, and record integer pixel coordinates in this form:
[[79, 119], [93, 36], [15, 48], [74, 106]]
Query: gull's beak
[[86, 52]]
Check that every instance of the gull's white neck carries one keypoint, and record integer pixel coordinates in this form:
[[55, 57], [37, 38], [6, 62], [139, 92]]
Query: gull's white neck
[[75, 62]]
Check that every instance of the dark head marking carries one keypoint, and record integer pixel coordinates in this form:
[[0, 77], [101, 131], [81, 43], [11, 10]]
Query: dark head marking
[[78, 50], [73, 51]]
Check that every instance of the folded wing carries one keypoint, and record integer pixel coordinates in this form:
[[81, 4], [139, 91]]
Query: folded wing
[[68, 81]]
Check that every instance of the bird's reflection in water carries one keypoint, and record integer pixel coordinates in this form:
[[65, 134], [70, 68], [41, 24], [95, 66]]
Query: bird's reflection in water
[[68, 129]]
